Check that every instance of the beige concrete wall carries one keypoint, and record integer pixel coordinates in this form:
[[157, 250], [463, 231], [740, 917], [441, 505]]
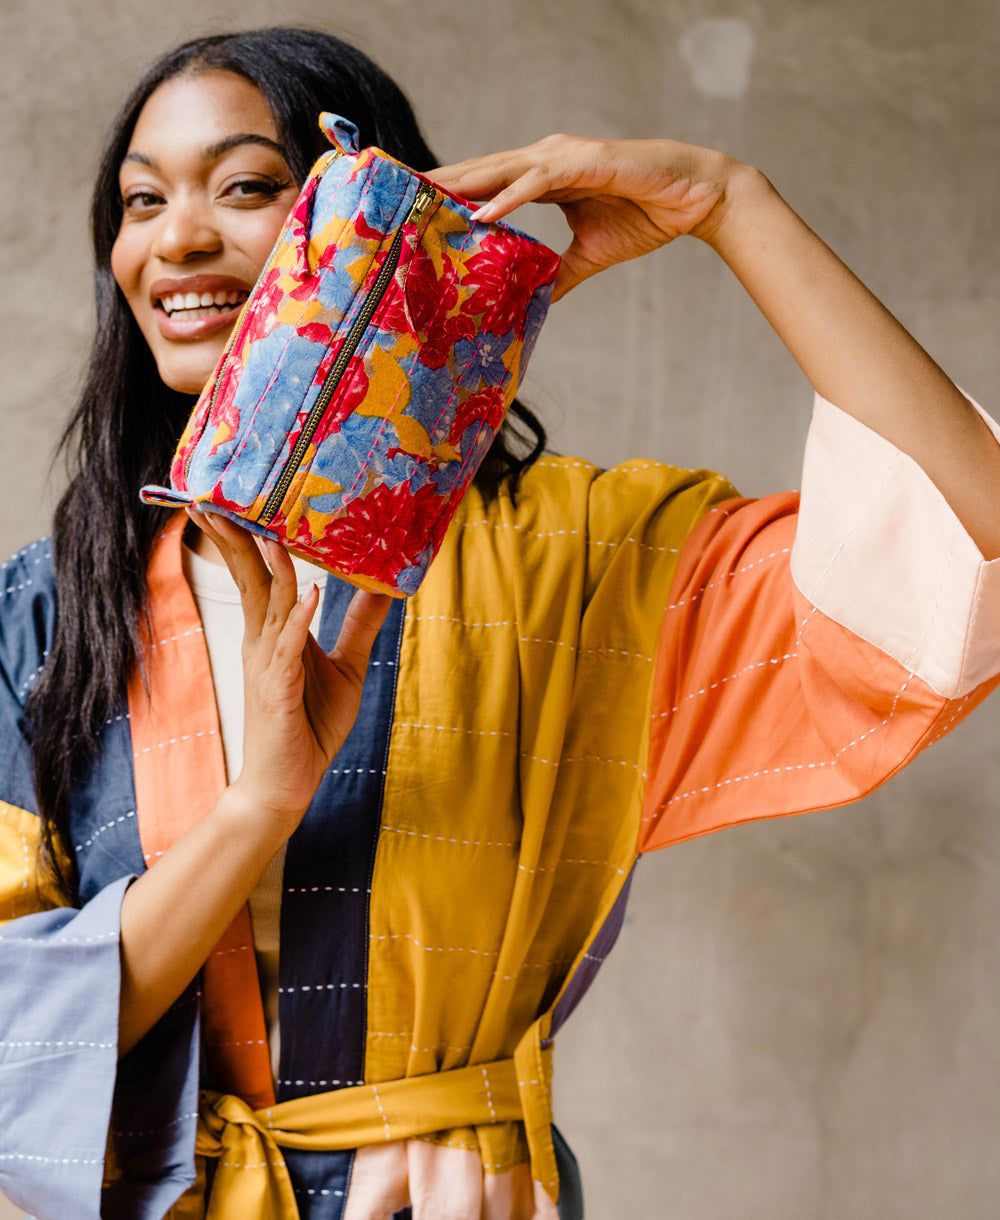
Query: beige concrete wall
[[800, 1022]]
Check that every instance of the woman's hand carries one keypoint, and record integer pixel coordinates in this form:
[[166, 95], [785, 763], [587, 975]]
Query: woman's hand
[[621, 198], [300, 706], [300, 703]]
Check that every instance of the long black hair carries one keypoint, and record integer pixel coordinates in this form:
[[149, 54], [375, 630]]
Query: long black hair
[[126, 422]]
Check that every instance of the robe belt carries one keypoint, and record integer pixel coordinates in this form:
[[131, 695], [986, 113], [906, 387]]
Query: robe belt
[[251, 1178]]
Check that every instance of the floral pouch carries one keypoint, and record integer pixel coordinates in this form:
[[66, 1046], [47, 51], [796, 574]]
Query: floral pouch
[[367, 373]]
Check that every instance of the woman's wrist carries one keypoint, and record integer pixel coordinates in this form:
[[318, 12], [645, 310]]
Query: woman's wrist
[[253, 819], [746, 195]]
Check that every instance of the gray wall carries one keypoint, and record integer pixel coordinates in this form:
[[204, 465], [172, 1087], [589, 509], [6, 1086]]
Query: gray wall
[[800, 1022]]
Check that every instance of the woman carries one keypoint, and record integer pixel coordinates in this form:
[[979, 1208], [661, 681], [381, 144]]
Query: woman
[[346, 969]]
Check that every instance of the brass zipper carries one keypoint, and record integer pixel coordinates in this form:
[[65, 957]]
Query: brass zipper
[[358, 327]]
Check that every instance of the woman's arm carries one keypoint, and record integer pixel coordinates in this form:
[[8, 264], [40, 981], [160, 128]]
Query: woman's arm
[[300, 706], [625, 198]]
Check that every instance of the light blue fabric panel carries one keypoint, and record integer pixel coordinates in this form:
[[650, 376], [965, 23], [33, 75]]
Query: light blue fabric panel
[[58, 1052]]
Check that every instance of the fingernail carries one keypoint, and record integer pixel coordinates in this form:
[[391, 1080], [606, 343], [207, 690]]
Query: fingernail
[[483, 213]]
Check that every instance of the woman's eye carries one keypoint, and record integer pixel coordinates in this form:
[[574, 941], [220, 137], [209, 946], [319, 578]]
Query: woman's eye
[[140, 201], [255, 189]]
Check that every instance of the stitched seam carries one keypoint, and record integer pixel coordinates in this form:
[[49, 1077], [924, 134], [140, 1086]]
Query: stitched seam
[[445, 839], [830, 762], [101, 829], [727, 576], [174, 741], [788, 656]]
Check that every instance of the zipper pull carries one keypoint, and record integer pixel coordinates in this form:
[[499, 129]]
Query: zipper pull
[[425, 196]]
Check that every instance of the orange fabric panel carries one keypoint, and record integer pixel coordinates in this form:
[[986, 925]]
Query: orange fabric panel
[[179, 775], [762, 705]]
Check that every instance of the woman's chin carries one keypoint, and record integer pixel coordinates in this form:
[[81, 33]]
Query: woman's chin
[[185, 383], [187, 371]]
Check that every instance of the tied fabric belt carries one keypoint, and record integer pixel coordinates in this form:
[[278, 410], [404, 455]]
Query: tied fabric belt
[[251, 1178]]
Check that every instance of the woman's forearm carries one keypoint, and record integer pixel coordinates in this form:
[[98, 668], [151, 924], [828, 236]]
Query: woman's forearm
[[174, 914], [855, 353]]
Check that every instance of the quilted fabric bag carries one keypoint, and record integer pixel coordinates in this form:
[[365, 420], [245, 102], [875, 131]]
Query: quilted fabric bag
[[367, 373]]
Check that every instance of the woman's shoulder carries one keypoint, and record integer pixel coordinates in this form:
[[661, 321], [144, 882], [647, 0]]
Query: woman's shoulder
[[569, 493]]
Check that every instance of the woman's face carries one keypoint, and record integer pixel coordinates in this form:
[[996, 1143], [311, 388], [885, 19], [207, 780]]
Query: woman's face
[[205, 190]]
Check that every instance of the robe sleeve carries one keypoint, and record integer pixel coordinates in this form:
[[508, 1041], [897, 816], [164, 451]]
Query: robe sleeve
[[810, 649], [62, 1087], [58, 1049]]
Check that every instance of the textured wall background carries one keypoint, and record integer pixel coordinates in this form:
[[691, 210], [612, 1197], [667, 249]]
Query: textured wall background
[[800, 1022]]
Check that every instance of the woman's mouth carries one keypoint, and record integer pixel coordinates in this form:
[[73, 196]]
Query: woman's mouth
[[194, 313], [193, 306]]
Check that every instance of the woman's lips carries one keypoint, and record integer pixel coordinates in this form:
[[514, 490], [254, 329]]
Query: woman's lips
[[195, 323], [197, 307]]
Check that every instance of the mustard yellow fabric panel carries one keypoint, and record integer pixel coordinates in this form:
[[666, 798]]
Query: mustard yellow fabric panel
[[25, 884], [516, 762]]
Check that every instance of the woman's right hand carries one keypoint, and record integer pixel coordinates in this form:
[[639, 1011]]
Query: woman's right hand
[[300, 703]]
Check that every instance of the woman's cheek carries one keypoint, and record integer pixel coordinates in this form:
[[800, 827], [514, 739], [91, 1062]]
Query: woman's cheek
[[126, 267]]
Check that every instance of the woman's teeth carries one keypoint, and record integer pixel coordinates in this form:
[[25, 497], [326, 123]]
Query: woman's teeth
[[201, 304]]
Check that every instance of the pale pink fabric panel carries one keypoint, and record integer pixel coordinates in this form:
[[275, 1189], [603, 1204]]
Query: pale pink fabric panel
[[879, 550], [440, 1183]]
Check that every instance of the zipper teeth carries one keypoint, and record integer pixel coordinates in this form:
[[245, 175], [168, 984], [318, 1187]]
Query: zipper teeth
[[333, 378]]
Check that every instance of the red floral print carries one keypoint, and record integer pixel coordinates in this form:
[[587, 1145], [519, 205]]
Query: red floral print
[[505, 273], [383, 532], [486, 404]]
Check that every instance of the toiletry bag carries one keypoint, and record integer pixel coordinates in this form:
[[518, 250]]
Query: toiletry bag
[[367, 373]]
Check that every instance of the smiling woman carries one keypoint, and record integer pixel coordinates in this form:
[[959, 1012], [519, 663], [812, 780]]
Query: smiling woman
[[313, 910]]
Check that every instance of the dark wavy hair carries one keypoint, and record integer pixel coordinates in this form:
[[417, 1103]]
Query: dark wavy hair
[[126, 422]]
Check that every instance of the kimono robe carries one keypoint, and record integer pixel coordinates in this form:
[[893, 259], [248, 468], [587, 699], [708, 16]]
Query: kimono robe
[[608, 662]]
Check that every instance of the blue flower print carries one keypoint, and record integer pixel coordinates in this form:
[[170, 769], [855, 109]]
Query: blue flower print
[[432, 401], [381, 204], [481, 361], [284, 368], [337, 287]]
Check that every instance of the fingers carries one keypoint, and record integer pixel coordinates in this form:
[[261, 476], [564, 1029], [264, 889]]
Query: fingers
[[530, 186], [262, 570], [547, 171], [362, 623]]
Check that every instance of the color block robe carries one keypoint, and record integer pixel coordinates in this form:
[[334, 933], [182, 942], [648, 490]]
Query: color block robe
[[611, 662]]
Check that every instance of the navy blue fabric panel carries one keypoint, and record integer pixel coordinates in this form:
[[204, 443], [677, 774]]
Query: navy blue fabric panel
[[321, 1181], [154, 1117], [328, 868], [105, 835], [599, 949], [104, 826], [570, 1205], [27, 614]]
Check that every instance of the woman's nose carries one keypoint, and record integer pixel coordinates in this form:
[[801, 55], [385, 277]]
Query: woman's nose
[[186, 230]]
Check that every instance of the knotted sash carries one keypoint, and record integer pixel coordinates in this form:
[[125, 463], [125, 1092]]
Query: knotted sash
[[251, 1177]]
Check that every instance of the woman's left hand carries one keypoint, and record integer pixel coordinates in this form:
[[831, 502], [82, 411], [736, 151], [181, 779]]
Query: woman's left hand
[[621, 198]]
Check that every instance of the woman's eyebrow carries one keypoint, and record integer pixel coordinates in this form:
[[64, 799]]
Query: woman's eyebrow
[[212, 152]]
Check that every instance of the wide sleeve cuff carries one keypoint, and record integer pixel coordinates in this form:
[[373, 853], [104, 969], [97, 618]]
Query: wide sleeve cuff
[[58, 1053], [63, 1090], [879, 550]]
